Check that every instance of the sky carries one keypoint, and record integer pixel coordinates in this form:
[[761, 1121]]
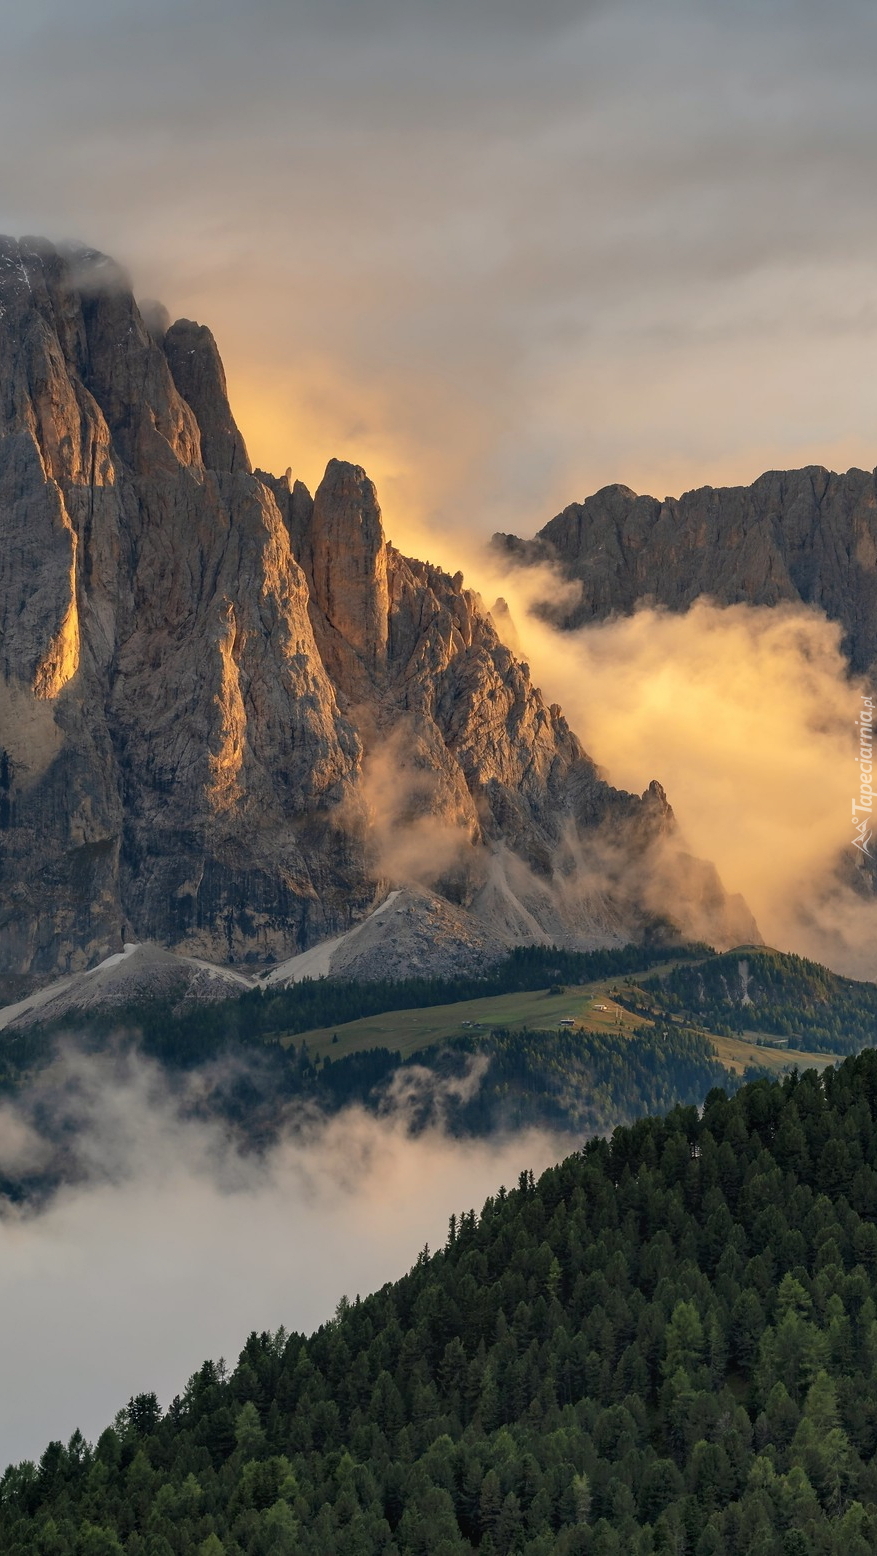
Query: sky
[[499, 254]]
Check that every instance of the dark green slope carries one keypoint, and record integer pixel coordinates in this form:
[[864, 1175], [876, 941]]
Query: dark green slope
[[772, 992], [668, 1344]]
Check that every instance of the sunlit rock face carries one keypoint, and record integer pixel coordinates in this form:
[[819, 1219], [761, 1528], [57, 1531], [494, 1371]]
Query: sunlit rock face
[[803, 536], [173, 748], [231, 715]]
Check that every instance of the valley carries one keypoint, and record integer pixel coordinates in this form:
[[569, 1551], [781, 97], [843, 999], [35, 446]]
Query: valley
[[534, 1044]]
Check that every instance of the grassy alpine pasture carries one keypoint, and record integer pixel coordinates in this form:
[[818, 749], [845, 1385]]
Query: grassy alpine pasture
[[409, 1030], [738, 1054]]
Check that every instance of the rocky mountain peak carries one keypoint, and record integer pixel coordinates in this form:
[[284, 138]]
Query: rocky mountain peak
[[232, 717], [199, 376], [345, 558]]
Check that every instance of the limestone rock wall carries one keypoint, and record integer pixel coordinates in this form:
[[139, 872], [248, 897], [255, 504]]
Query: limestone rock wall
[[231, 715]]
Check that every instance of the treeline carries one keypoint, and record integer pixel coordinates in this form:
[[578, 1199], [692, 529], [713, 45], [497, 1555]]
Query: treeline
[[767, 991], [668, 1344], [579, 1082]]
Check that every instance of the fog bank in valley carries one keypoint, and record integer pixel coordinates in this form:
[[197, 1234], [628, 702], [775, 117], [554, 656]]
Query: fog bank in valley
[[173, 1245]]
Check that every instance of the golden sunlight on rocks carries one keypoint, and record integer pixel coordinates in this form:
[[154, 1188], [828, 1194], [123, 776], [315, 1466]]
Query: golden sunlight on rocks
[[62, 660]]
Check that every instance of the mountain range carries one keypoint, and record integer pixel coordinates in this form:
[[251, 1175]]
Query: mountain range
[[233, 717]]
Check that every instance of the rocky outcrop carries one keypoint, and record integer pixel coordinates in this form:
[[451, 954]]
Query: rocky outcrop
[[413, 933], [200, 379], [232, 717], [801, 535], [345, 558]]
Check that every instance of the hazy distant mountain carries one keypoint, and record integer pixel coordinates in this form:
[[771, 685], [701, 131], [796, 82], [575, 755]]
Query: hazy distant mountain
[[232, 717], [800, 535]]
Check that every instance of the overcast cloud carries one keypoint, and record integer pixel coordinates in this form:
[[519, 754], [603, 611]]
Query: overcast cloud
[[500, 254]]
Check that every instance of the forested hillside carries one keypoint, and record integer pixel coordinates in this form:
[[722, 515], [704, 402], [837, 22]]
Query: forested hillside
[[754, 989], [667, 1344], [581, 1082]]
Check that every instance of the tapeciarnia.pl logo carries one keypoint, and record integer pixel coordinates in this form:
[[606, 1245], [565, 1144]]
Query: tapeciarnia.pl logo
[[863, 809]]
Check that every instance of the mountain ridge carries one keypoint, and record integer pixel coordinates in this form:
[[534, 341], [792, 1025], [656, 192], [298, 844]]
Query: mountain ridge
[[805, 536]]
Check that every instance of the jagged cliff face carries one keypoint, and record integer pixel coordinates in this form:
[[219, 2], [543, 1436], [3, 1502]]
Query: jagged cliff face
[[801, 535], [231, 716]]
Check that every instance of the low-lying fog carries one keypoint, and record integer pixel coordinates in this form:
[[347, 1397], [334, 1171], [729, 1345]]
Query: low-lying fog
[[174, 1246]]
